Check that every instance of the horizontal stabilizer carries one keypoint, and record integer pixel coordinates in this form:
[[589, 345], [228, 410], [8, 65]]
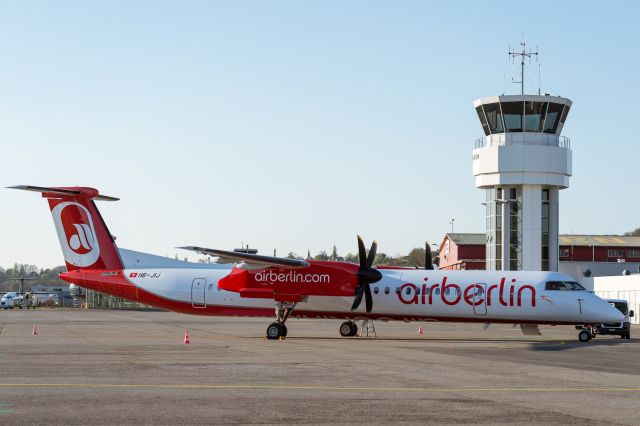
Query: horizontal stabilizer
[[264, 261], [68, 192]]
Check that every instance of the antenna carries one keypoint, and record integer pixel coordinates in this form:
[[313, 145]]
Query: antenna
[[523, 54]]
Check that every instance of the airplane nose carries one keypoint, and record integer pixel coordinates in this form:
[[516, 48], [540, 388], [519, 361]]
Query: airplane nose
[[612, 314]]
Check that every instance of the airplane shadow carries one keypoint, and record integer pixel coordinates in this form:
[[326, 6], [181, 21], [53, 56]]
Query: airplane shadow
[[536, 345]]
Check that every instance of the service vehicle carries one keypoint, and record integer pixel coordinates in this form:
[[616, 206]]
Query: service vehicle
[[622, 328]]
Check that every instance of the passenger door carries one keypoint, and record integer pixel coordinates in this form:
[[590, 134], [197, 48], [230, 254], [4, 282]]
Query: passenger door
[[198, 288], [480, 295]]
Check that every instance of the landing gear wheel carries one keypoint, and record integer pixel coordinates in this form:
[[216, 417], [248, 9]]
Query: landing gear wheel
[[284, 330], [274, 331], [584, 336], [348, 329]]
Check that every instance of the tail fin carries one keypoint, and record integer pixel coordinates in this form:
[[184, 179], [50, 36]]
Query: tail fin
[[84, 238]]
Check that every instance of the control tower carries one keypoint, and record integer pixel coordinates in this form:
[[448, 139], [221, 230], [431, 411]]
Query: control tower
[[522, 163]]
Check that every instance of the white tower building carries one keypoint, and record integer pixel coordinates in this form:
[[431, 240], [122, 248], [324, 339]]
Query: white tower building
[[522, 162]]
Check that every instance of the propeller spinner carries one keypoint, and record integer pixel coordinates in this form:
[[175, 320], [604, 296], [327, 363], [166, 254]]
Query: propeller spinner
[[366, 275]]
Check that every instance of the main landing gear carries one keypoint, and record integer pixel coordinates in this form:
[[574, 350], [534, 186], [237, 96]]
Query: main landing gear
[[278, 330], [348, 329]]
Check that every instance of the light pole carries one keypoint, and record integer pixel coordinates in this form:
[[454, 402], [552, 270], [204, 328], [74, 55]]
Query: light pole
[[593, 251], [451, 223]]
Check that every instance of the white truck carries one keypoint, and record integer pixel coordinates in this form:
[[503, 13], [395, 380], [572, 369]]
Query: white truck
[[622, 329]]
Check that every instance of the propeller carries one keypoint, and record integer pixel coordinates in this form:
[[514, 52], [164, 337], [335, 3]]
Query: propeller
[[428, 262], [366, 275]]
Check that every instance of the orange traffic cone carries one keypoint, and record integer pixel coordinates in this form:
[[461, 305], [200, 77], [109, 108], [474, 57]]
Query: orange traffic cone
[[186, 337], [35, 330], [420, 330]]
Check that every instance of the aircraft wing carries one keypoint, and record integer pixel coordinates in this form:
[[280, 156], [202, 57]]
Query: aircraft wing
[[251, 259]]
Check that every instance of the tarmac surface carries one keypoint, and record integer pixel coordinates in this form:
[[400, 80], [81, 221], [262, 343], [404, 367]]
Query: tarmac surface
[[131, 367]]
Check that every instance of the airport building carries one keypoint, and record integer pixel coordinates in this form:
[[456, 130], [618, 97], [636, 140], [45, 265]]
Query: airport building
[[579, 255]]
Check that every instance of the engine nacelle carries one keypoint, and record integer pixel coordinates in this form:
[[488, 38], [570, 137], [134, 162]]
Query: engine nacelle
[[294, 285]]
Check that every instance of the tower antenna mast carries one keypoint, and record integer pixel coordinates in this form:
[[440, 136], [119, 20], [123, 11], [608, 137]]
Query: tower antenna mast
[[523, 54]]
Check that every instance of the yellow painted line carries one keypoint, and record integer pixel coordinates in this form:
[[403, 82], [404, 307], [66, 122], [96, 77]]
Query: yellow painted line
[[317, 388]]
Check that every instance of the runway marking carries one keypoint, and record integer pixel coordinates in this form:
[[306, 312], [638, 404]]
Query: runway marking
[[317, 388]]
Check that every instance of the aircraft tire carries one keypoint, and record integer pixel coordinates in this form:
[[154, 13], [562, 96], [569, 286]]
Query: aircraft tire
[[348, 329], [284, 330], [584, 336], [274, 331]]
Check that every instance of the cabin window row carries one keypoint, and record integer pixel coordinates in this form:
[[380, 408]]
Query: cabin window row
[[410, 290]]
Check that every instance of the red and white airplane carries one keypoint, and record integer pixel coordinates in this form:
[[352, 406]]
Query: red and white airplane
[[310, 288]]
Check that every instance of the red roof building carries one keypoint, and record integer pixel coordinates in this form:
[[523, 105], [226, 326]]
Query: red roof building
[[580, 255]]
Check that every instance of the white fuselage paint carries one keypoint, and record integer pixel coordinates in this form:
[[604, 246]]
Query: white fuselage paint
[[579, 307]]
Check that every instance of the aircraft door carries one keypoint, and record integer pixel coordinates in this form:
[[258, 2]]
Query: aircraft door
[[198, 288], [480, 299]]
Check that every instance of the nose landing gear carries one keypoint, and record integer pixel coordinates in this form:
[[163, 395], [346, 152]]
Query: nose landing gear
[[586, 334]]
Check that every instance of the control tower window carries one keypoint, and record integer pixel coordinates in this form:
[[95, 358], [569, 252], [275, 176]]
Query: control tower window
[[483, 120], [563, 117], [494, 118], [553, 118], [513, 112], [545, 229], [534, 113]]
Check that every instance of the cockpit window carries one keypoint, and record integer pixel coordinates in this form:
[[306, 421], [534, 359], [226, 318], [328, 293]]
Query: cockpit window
[[563, 286], [556, 285], [573, 286]]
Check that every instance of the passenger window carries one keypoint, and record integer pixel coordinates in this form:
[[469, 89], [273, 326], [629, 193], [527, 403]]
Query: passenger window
[[376, 290], [397, 290], [555, 286], [437, 292], [386, 290], [408, 290], [417, 290]]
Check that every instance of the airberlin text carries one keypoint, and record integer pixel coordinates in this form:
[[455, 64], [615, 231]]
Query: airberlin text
[[291, 277], [474, 294]]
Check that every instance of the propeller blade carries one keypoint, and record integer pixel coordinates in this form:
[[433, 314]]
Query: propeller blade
[[428, 262], [362, 253], [367, 298], [358, 299], [372, 254]]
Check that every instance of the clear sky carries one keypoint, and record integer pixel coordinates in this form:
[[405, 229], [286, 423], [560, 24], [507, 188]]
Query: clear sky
[[296, 125]]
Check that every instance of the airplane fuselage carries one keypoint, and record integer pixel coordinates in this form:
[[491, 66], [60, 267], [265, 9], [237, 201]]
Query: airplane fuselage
[[402, 294]]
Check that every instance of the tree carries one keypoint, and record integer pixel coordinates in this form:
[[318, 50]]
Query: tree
[[334, 254], [634, 233], [351, 258], [293, 255], [322, 256], [416, 257]]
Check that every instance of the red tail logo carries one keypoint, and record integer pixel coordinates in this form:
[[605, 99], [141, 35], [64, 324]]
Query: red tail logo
[[76, 233]]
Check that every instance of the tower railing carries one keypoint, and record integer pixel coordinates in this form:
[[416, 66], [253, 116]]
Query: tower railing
[[522, 138]]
